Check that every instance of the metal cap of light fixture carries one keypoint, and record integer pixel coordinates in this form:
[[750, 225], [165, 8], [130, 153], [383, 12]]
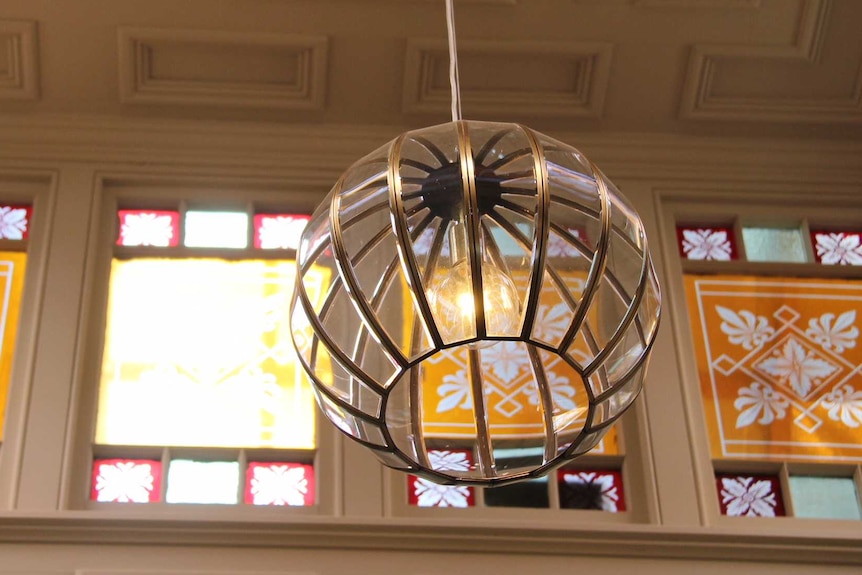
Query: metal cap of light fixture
[[488, 303]]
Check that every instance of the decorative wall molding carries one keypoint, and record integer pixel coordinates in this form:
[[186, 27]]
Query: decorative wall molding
[[18, 60], [161, 66], [724, 543], [181, 571], [538, 79], [315, 155], [699, 101]]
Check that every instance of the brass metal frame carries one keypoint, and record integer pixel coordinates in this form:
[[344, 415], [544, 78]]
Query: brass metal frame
[[411, 452]]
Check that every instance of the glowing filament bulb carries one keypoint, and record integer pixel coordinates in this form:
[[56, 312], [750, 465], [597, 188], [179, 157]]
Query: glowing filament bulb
[[451, 298]]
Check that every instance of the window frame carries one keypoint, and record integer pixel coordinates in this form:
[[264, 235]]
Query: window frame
[[735, 205], [120, 191], [36, 188], [634, 463], [363, 500]]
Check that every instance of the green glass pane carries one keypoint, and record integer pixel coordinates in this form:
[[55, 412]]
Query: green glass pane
[[203, 482], [216, 229], [532, 493], [825, 497], [773, 245]]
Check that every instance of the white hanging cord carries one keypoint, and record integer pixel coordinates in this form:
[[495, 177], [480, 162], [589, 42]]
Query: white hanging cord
[[454, 81]]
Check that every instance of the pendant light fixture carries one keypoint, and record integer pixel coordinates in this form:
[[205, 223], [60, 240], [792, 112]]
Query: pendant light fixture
[[489, 302]]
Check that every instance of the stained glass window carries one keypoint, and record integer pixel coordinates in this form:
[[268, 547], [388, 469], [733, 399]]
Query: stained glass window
[[825, 497], [126, 480], [15, 228], [513, 412], [589, 489], [777, 359], [12, 265], [531, 493], [749, 495], [558, 247], [706, 243], [278, 231], [778, 363], [148, 228], [279, 484], [197, 353], [837, 248], [425, 493], [14, 222], [203, 482], [773, 244], [205, 229]]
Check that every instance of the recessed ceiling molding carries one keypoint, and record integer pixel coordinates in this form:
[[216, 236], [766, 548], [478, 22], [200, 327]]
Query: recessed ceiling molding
[[162, 66], [509, 2], [18, 60], [699, 102], [749, 4], [697, 3], [526, 78]]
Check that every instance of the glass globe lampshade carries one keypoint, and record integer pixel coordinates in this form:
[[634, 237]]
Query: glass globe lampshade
[[488, 303]]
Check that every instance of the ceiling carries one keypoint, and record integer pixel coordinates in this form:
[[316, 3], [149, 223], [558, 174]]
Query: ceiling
[[751, 68]]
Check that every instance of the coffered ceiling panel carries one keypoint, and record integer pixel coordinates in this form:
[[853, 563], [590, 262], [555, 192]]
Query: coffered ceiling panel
[[807, 80], [771, 68], [18, 60], [164, 66], [678, 3], [499, 77]]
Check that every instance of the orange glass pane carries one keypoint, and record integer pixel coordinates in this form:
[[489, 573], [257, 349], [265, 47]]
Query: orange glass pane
[[512, 397], [12, 265], [198, 353], [778, 362]]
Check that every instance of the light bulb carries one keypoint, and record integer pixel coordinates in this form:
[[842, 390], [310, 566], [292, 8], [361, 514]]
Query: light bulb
[[450, 296]]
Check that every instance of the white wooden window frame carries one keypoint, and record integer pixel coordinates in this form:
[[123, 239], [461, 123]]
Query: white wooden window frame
[[758, 204], [125, 191], [682, 519], [36, 188]]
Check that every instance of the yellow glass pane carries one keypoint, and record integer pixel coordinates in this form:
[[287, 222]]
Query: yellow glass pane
[[778, 362], [198, 353], [12, 265]]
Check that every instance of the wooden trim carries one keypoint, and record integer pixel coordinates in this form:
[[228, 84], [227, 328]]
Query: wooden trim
[[755, 540]]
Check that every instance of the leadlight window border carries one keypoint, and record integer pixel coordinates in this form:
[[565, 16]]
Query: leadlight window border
[[735, 205], [37, 189], [143, 192]]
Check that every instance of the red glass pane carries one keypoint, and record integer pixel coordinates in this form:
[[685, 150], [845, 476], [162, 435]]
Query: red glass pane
[[279, 483], [749, 495], [278, 231], [148, 228], [583, 489], [837, 248], [15, 222], [715, 244], [424, 493], [558, 247], [126, 480]]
